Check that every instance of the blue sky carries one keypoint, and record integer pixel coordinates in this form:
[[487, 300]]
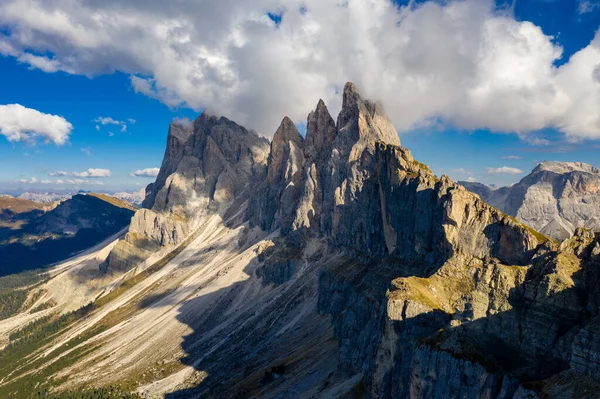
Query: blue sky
[[82, 83], [81, 100]]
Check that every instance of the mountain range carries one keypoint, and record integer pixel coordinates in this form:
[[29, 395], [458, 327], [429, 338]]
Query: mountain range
[[35, 235], [134, 197], [333, 265], [555, 198]]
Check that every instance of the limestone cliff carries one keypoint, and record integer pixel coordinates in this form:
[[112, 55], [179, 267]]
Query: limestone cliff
[[207, 164], [555, 198]]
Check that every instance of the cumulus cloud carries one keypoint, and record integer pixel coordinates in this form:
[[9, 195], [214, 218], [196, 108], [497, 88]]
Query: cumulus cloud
[[465, 63], [505, 170], [110, 121], [472, 180], [32, 180], [19, 123], [148, 172], [90, 173], [512, 157]]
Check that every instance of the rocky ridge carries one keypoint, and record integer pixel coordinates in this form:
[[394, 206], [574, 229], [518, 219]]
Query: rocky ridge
[[555, 198], [34, 235]]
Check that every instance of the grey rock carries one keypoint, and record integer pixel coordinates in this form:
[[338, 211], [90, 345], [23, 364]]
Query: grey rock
[[207, 165], [555, 198]]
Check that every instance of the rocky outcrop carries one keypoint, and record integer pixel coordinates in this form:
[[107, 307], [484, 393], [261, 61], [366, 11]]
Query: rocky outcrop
[[472, 328], [284, 178], [207, 165], [555, 198], [148, 232], [355, 185]]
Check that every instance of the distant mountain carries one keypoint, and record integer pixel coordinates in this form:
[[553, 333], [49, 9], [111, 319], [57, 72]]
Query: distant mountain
[[33, 234], [45, 197], [555, 198], [133, 197]]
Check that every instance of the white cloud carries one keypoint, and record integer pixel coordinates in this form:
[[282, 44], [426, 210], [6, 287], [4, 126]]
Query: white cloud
[[148, 172], [32, 180], [586, 6], [537, 140], [46, 181], [512, 157], [81, 182], [110, 121], [59, 181], [87, 151], [472, 180], [90, 173], [19, 123], [505, 170], [461, 62], [107, 121], [462, 171]]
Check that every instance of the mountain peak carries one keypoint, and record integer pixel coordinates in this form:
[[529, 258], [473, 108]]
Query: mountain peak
[[565, 167], [350, 94], [287, 132], [364, 120], [320, 131]]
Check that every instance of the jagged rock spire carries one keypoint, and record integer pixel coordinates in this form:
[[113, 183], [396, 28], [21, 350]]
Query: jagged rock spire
[[364, 120], [320, 132], [285, 141], [287, 132]]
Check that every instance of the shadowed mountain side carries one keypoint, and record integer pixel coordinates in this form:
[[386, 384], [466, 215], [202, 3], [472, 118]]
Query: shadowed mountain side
[[477, 330], [264, 337], [48, 235], [256, 338]]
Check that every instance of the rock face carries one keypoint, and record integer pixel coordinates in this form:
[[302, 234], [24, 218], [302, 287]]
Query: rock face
[[353, 183], [555, 198], [207, 164], [431, 292]]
